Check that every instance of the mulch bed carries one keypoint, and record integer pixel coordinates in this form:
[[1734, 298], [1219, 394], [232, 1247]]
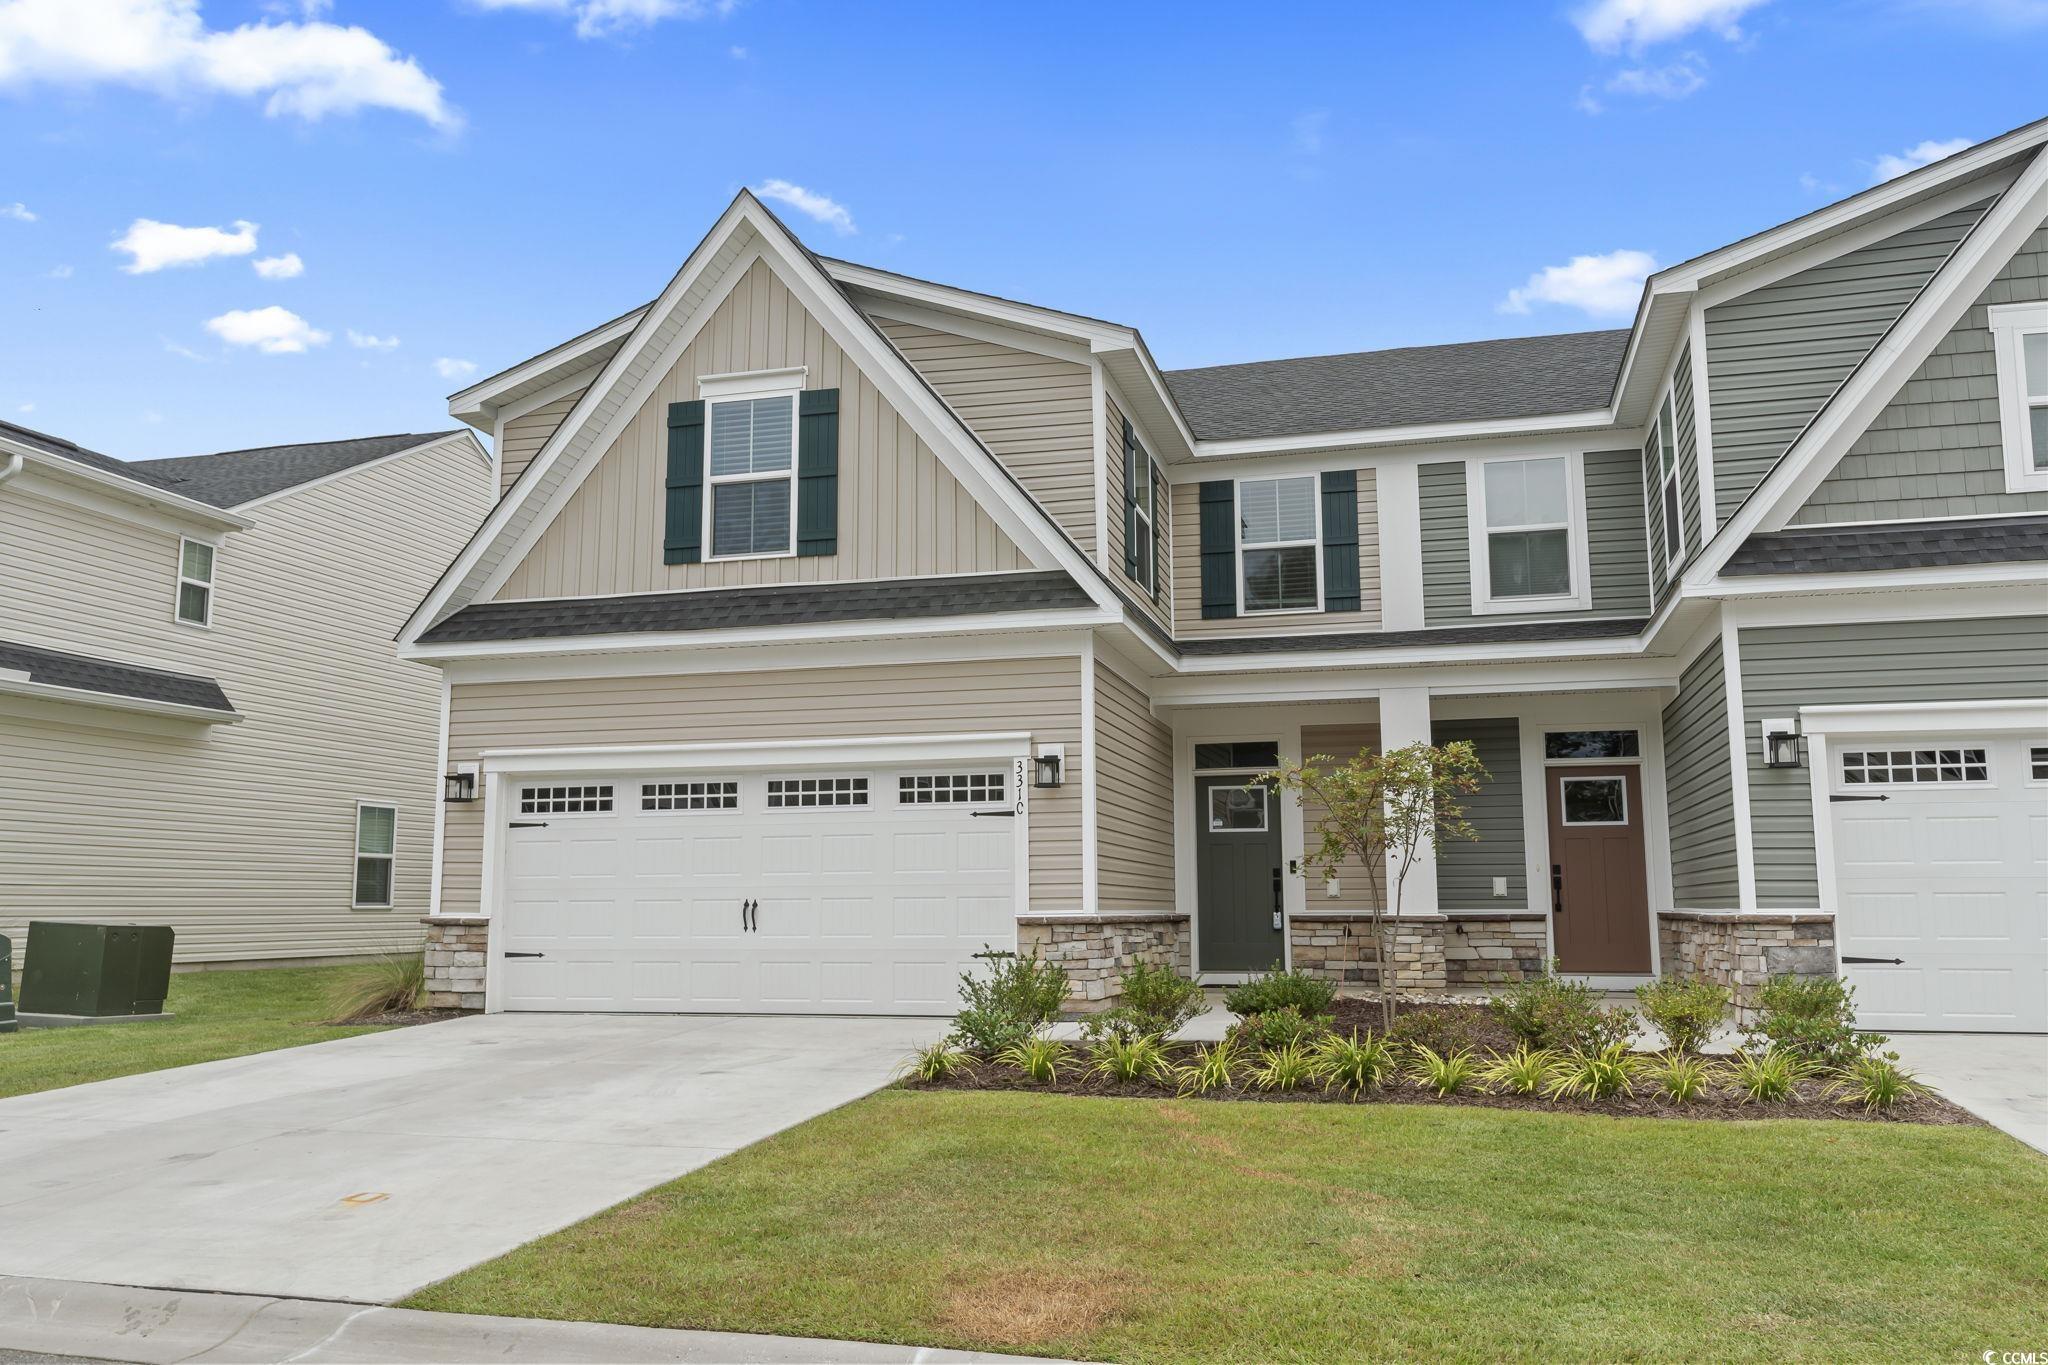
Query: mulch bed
[[399, 1018]]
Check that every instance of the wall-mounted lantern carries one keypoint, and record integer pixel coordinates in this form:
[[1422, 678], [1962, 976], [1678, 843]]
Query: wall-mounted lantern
[[1781, 744], [1045, 767], [460, 783]]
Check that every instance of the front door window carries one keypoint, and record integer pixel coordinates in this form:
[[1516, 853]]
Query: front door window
[[1237, 810]]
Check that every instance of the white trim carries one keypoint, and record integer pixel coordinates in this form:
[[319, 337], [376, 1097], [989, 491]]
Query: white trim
[[1886, 718], [120, 488], [357, 855], [717, 391], [1478, 539], [1418, 434], [713, 388], [1865, 581], [1670, 490], [1702, 426], [476, 447], [1738, 762], [974, 328], [11, 683], [1265, 809], [477, 398], [489, 882], [707, 756], [2026, 469], [1091, 754], [1315, 484], [1397, 497], [540, 398], [1098, 395], [205, 621], [441, 770]]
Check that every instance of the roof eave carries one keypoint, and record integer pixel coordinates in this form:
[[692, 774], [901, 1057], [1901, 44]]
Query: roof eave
[[134, 490]]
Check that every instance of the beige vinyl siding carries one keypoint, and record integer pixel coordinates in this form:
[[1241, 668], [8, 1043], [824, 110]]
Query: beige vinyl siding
[[1187, 580], [1133, 798], [1030, 410], [1042, 696], [1342, 743], [1159, 604], [525, 434], [901, 512], [240, 836]]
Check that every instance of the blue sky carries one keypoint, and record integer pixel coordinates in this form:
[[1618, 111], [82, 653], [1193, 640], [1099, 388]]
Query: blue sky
[[465, 182]]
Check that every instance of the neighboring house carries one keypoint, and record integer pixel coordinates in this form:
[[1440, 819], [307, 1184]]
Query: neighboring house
[[204, 721], [807, 574]]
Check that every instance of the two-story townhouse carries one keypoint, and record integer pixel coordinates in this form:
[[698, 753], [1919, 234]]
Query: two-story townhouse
[[204, 721], [836, 624]]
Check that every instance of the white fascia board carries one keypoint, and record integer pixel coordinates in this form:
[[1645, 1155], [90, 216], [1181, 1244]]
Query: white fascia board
[[80, 696], [476, 405], [1029, 317], [1948, 603], [119, 494], [1478, 680], [476, 448], [1874, 718], [976, 328], [1137, 358], [1873, 580], [540, 398], [878, 749], [1592, 420], [684, 659], [1413, 656]]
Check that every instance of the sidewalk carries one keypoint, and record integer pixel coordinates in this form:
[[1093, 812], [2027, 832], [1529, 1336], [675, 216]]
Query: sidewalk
[[159, 1327]]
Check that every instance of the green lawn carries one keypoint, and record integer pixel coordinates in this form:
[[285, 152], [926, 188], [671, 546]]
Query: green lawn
[[1191, 1231], [219, 1014]]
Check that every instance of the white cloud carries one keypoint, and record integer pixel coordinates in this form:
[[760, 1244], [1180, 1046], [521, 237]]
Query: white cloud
[[25, 408], [285, 267], [1606, 285], [272, 330], [18, 211], [367, 341], [1892, 165], [152, 245], [305, 69], [602, 18], [825, 209], [1612, 25], [185, 352], [454, 369], [59, 272], [1672, 82]]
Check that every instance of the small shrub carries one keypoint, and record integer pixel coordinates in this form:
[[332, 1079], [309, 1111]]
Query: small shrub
[[1019, 996], [1130, 1059], [1037, 1057], [1521, 1072], [388, 984], [1279, 990], [1155, 1002], [1284, 1068], [1876, 1083], [1598, 1075], [1432, 1029], [1681, 1077], [1280, 1027], [1770, 1076], [1814, 1017], [937, 1062], [1357, 1064], [1686, 1012], [1444, 1073], [1565, 1016], [1213, 1068]]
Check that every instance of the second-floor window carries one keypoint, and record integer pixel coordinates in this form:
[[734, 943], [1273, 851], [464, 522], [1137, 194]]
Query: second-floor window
[[751, 477], [1279, 550], [1144, 477], [195, 583], [1661, 466], [1524, 547], [2020, 334]]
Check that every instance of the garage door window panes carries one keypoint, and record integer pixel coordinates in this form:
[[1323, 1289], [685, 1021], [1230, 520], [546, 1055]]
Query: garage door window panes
[[584, 800], [2037, 762], [956, 789], [1897, 767], [716, 794], [809, 793]]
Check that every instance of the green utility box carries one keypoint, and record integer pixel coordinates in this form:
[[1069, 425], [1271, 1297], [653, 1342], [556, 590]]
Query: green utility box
[[96, 971], [8, 1023]]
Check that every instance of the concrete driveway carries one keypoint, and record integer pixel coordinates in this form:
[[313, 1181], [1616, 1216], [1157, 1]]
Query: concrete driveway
[[366, 1168], [2002, 1078]]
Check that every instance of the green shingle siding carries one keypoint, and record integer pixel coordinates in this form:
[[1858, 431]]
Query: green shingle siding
[[1617, 544], [1787, 667], [1777, 354], [1698, 788], [1446, 554], [1465, 869], [1937, 450]]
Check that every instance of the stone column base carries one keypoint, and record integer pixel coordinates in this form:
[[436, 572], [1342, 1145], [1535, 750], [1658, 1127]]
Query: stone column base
[[1494, 947], [1340, 947], [1097, 950], [1743, 949], [456, 947]]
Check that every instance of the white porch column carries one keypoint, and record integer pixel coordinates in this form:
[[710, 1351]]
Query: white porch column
[[1404, 720]]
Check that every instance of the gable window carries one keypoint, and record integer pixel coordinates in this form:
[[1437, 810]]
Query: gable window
[[2020, 335], [195, 582], [376, 843], [750, 478], [1143, 559], [1279, 545], [1527, 539], [1660, 466]]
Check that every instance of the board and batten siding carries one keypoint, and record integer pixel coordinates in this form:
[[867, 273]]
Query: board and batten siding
[[1187, 578], [902, 514], [1133, 798], [1698, 792], [1777, 354], [1158, 603], [1041, 696], [1787, 667], [1937, 450], [1465, 868], [241, 837], [1031, 411], [1354, 888], [524, 435]]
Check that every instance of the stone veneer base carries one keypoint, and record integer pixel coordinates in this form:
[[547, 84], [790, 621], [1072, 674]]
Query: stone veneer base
[[1097, 950], [1743, 949], [1495, 947], [456, 947], [1341, 948]]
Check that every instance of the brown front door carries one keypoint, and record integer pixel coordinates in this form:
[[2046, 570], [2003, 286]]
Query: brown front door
[[1599, 890]]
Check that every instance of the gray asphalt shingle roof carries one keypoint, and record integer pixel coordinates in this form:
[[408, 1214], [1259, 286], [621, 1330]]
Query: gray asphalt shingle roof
[[71, 450], [780, 605], [1911, 545], [1411, 385], [54, 668], [230, 478]]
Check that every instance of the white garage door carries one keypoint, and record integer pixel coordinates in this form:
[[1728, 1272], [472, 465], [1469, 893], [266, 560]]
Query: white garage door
[[842, 892], [1942, 884]]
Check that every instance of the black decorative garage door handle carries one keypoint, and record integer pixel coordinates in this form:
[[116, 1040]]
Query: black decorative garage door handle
[[1888, 961], [526, 955]]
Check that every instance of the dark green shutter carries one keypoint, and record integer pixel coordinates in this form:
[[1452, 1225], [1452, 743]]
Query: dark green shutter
[[1340, 540], [1219, 549], [682, 540], [1159, 509], [817, 467], [1130, 501]]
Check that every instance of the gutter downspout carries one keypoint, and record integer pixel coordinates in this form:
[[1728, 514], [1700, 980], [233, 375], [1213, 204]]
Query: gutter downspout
[[15, 460]]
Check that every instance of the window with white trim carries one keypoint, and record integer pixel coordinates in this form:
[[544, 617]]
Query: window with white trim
[[1144, 477], [954, 789], [1237, 810], [1527, 532], [750, 477], [2019, 333], [376, 851], [576, 800], [1593, 800], [1918, 767], [1660, 465], [195, 582], [714, 794], [806, 793], [1279, 545]]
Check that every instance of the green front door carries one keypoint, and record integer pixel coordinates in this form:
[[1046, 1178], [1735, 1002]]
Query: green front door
[[1237, 875]]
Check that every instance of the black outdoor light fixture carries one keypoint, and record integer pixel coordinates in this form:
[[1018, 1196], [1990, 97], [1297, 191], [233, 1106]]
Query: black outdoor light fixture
[[459, 785], [1045, 768], [1781, 744]]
